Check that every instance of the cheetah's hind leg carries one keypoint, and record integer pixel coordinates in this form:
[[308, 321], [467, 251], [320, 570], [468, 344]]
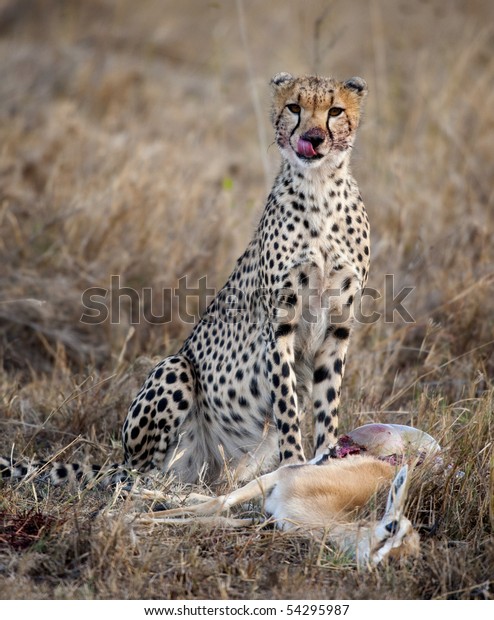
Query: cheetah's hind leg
[[157, 413]]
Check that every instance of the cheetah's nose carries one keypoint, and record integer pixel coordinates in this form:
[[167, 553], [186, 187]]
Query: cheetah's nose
[[315, 136], [309, 141]]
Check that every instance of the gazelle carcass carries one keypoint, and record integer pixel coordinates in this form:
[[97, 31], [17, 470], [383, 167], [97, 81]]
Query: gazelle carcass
[[323, 495]]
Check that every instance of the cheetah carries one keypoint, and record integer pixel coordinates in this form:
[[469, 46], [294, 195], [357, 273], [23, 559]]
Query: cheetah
[[272, 344]]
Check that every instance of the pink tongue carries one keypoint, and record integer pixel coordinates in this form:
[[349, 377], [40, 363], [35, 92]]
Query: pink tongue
[[305, 148]]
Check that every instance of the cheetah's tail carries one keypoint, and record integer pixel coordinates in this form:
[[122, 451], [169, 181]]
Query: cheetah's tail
[[57, 472]]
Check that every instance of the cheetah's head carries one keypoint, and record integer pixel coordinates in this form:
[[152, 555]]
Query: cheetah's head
[[316, 118]]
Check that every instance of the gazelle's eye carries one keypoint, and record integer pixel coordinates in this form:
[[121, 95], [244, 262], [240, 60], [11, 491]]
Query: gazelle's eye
[[335, 111], [294, 107]]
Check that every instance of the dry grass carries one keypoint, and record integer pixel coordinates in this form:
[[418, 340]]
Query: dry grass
[[129, 145]]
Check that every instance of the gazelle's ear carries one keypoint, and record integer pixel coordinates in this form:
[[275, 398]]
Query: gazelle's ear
[[397, 494]]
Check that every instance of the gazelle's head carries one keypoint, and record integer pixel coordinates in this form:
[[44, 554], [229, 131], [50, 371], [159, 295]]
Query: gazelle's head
[[393, 536]]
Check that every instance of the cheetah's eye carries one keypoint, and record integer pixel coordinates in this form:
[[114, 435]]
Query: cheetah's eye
[[294, 107], [335, 111]]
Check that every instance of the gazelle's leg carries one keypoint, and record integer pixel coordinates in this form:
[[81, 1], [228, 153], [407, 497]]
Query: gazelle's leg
[[161, 496], [253, 489], [210, 520]]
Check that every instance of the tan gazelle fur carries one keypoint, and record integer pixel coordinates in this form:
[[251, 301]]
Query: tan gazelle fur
[[322, 499]]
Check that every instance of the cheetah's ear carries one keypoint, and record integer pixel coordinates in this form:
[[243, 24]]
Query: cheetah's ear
[[281, 79], [357, 85]]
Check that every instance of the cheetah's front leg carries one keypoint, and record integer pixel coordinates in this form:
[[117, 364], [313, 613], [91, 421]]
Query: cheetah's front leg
[[281, 365], [329, 361], [328, 374]]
